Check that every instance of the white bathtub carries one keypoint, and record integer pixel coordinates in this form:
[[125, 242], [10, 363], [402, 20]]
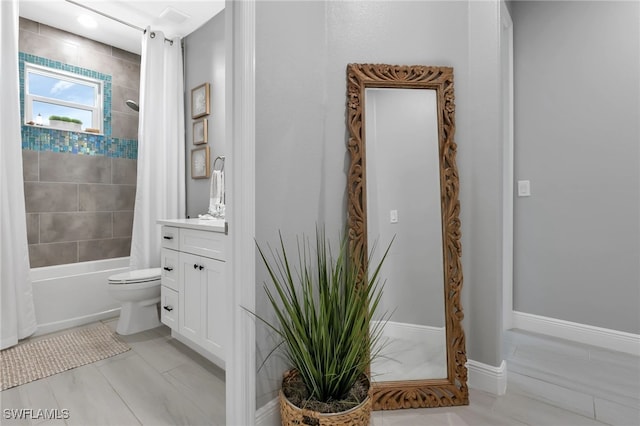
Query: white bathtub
[[70, 295]]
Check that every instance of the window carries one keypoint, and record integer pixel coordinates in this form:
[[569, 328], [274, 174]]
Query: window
[[50, 92]]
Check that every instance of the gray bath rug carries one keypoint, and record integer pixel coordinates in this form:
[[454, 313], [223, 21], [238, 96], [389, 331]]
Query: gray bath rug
[[35, 360]]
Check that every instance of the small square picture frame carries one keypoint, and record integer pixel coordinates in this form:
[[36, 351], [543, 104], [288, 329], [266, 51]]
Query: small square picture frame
[[200, 101], [200, 131], [200, 163]]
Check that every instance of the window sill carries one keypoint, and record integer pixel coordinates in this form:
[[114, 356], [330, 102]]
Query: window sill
[[62, 130]]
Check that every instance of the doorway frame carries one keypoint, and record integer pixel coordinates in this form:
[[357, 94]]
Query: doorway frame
[[506, 65], [240, 389]]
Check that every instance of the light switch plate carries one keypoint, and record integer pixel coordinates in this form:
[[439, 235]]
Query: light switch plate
[[393, 216], [524, 188]]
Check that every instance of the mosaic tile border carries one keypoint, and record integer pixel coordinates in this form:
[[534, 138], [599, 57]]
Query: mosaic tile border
[[40, 139], [80, 143]]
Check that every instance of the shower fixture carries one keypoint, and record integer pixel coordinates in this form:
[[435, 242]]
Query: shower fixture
[[132, 104]]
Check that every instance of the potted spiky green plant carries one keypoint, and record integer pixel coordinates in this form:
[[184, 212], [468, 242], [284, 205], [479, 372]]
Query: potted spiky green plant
[[324, 306], [65, 123]]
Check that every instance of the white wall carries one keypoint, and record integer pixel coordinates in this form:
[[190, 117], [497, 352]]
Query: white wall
[[204, 55], [577, 139], [302, 50]]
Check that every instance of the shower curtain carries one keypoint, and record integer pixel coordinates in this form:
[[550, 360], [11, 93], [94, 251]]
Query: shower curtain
[[160, 192], [18, 317]]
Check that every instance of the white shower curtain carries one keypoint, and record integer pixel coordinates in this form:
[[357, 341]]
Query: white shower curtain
[[160, 192], [16, 299]]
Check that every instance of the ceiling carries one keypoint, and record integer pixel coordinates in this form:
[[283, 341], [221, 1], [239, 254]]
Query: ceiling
[[176, 18]]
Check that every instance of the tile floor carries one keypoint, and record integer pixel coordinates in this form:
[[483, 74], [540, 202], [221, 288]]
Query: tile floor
[[162, 382], [159, 381]]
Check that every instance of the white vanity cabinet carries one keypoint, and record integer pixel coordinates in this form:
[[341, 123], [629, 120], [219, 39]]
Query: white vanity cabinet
[[202, 302], [193, 292], [169, 263]]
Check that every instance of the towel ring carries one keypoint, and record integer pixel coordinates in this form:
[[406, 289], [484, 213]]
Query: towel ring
[[220, 158]]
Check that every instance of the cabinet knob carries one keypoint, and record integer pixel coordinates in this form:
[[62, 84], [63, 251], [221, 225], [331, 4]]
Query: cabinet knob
[[201, 267], [168, 269], [195, 266], [168, 308], [168, 237]]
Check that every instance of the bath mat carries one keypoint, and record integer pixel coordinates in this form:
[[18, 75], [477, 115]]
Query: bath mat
[[35, 360]]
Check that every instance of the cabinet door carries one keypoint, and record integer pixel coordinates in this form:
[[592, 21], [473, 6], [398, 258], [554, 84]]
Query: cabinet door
[[213, 305], [169, 307], [170, 237], [191, 270], [170, 268]]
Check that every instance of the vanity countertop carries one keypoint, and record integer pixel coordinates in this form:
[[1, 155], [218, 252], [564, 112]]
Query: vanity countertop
[[215, 225]]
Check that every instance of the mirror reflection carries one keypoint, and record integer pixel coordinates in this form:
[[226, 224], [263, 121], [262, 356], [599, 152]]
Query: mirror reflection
[[403, 200]]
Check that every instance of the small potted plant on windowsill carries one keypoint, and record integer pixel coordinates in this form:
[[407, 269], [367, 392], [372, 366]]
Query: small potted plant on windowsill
[[65, 123], [324, 308]]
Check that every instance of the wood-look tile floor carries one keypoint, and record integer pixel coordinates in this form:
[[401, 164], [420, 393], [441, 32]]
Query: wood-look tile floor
[[159, 381], [486, 410], [162, 382]]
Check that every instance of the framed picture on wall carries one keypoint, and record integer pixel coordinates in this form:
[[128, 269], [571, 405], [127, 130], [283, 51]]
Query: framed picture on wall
[[200, 168], [200, 131], [200, 101]]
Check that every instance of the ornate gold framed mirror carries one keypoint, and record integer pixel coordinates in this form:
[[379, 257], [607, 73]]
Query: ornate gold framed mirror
[[403, 184]]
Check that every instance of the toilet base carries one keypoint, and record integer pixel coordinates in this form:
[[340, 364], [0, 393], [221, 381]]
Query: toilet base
[[138, 316]]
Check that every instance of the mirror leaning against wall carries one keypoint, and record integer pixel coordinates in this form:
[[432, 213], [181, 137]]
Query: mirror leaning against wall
[[403, 183]]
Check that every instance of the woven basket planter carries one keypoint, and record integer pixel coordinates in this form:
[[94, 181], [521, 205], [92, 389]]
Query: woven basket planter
[[295, 416]]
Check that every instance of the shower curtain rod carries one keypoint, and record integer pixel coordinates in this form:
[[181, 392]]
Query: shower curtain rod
[[115, 19]]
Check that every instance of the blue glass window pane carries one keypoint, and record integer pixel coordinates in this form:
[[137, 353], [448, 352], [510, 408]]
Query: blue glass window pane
[[55, 88]]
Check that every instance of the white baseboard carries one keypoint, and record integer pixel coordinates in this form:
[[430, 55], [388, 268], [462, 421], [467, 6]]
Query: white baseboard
[[614, 340], [487, 378], [269, 414]]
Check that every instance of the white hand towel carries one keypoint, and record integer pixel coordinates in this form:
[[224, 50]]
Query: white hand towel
[[216, 196]]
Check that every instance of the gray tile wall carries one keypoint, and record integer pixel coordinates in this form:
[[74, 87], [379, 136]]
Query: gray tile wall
[[70, 221], [79, 207]]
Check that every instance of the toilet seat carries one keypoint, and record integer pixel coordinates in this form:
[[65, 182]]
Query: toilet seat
[[136, 277]]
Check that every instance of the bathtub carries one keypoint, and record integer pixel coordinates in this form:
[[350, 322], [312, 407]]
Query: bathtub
[[75, 294]]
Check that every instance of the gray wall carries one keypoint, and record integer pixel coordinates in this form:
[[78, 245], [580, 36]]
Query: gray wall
[[577, 124], [80, 207], [204, 56], [302, 50], [290, 146]]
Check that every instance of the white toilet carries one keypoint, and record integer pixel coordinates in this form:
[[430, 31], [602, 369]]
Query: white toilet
[[139, 293]]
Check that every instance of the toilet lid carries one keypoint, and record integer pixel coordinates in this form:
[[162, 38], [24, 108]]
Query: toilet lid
[[137, 276]]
